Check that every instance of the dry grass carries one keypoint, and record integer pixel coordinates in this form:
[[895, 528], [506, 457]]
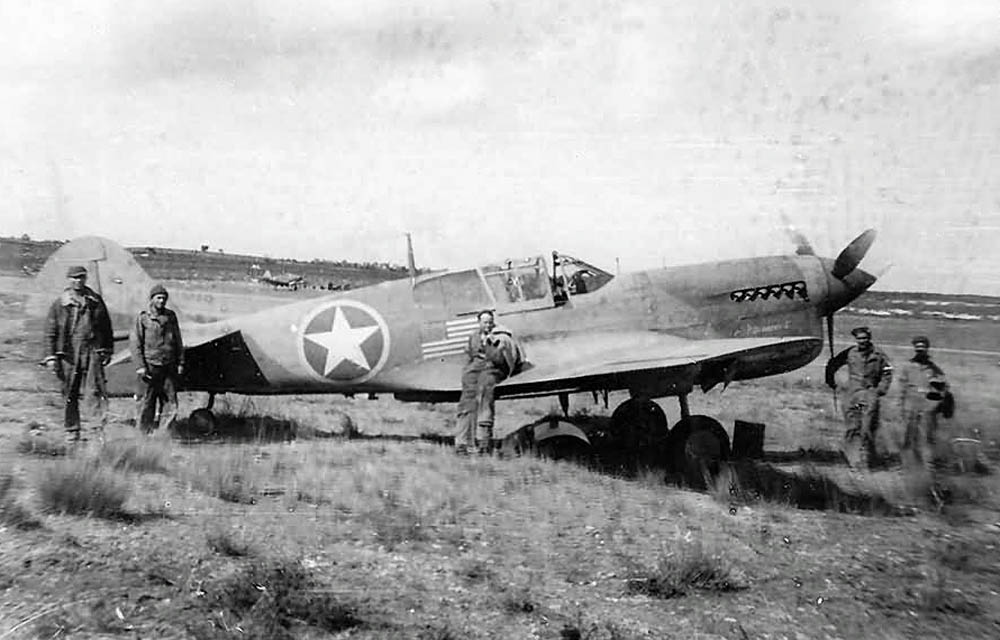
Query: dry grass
[[12, 512], [688, 567], [42, 446], [79, 486], [269, 599], [139, 455]]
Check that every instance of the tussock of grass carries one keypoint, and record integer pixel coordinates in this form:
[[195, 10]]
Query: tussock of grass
[[13, 513], [690, 568], [228, 543], [42, 446], [141, 456], [233, 475], [268, 597], [83, 487]]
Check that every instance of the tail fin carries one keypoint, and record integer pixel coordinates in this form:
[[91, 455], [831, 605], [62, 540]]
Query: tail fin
[[111, 271]]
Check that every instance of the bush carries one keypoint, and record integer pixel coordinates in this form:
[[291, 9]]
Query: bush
[[676, 574], [269, 596], [83, 487]]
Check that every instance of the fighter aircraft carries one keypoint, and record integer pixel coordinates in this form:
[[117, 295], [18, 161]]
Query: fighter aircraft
[[657, 333], [282, 280]]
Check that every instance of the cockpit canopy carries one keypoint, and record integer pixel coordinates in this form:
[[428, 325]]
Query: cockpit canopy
[[510, 285]]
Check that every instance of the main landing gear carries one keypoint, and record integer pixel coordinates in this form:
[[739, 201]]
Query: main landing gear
[[695, 448], [202, 421]]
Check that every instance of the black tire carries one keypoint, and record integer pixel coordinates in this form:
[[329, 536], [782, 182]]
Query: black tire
[[698, 447], [640, 429], [202, 422]]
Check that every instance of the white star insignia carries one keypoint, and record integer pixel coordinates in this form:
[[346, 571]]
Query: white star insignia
[[343, 342]]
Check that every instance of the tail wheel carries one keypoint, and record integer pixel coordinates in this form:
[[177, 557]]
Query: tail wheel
[[202, 421], [641, 427], [698, 447]]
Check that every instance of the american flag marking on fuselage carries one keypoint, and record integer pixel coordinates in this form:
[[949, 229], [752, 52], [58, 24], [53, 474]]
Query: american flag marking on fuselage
[[456, 333]]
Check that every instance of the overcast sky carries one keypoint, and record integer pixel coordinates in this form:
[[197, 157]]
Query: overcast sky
[[657, 132]]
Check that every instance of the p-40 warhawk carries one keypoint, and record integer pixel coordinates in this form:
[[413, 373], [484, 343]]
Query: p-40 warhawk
[[657, 333]]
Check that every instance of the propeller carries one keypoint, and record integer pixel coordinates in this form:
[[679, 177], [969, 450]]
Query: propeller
[[851, 256]]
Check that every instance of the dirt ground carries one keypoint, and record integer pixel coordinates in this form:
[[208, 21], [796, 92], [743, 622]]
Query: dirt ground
[[372, 537]]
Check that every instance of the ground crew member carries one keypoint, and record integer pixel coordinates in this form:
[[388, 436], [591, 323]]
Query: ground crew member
[[923, 393], [476, 363], [79, 343], [870, 374], [158, 353], [504, 357]]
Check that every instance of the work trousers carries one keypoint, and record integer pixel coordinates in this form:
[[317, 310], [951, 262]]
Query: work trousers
[[476, 407], [862, 418], [84, 373], [158, 386], [920, 437]]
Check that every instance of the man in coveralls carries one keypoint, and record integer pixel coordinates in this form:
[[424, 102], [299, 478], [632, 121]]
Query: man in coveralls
[[870, 374], [79, 343]]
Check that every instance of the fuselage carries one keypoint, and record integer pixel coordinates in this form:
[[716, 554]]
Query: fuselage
[[374, 339]]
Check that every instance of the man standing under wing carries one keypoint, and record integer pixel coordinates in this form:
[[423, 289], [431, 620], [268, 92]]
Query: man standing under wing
[[468, 404], [79, 343], [158, 353], [870, 374]]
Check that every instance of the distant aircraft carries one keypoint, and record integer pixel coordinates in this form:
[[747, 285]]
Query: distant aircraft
[[283, 280], [656, 333]]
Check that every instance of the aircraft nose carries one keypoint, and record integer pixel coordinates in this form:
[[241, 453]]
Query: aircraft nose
[[844, 290]]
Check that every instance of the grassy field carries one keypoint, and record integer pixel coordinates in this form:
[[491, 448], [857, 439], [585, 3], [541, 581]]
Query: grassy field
[[287, 536]]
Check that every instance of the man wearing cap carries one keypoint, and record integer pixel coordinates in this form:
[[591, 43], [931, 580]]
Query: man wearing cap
[[869, 377], [79, 343], [923, 395], [158, 353]]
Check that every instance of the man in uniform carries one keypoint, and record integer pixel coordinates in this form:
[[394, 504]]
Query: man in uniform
[[870, 374], [493, 355], [158, 352], [79, 343], [923, 393], [504, 358], [476, 363]]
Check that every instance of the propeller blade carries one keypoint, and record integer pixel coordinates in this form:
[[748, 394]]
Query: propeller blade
[[802, 246], [851, 256]]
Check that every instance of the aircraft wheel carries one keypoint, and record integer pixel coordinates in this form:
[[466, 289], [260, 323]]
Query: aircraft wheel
[[698, 447], [202, 421], [640, 428]]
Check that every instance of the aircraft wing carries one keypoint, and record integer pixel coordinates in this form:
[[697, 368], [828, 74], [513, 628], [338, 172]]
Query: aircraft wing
[[664, 364]]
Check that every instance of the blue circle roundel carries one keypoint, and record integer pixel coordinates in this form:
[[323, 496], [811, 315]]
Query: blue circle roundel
[[344, 341]]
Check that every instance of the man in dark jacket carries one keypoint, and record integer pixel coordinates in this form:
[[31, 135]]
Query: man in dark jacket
[[78, 345], [158, 354], [870, 374]]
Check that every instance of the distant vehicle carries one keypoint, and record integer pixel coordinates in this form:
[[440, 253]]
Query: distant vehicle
[[657, 333]]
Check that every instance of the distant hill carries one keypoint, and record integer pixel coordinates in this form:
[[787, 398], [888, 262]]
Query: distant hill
[[26, 256]]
